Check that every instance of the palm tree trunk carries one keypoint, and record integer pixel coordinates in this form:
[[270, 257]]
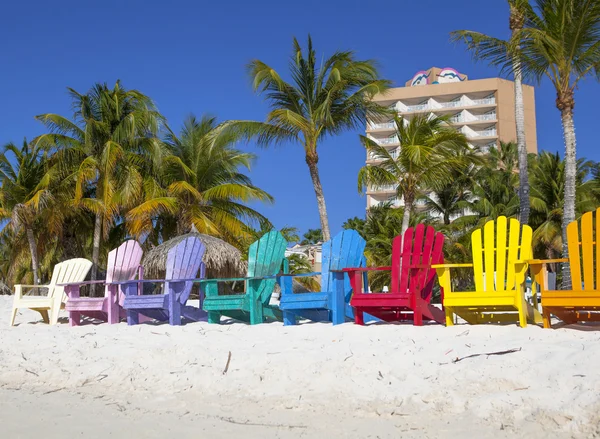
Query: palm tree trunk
[[311, 161], [408, 205], [35, 265], [96, 250], [570, 174], [524, 207]]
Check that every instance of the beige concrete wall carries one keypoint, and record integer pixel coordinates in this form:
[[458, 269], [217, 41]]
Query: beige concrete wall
[[505, 110], [503, 90]]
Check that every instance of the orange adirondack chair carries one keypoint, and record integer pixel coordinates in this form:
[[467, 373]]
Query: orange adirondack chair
[[582, 301]]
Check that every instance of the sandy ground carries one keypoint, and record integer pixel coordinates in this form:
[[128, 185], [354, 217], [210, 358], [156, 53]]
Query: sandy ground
[[313, 380]]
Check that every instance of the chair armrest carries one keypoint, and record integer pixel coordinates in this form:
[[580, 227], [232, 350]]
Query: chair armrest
[[19, 289], [546, 261], [366, 269], [444, 266], [87, 282], [299, 274]]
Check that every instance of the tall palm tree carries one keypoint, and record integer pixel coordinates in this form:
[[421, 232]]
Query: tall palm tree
[[25, 179], [201, 186], [561, 41], [108, 151], [495, 188], [497, 52], [429, 152], [321, 100], [547, 200]]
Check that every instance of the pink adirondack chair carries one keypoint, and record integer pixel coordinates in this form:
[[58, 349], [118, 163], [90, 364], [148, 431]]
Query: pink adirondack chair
[[123, 264], [412, 280]]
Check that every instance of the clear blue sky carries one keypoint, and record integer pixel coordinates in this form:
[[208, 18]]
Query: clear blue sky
[[190, 57]]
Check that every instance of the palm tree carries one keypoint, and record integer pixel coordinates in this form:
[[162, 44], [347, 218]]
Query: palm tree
[[547, 200], [560, 41], [25, 180], [497, 52], [355, 223], [108, 151], [203, 187], [495, 185], [322, 100], [429, 152], [312, 236], [446, 203]]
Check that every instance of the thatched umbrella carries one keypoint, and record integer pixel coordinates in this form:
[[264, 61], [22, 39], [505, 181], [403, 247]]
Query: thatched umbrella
[[221, 259]]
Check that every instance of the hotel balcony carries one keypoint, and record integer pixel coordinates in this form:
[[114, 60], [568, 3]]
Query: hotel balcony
[[372, 158], [381, 127], [444, 107], [386, 141], [387, 189], [469, 118]]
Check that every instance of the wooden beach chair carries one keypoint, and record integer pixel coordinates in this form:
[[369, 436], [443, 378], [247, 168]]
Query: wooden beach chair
[[123, 264], [345, 250], [183, 263], [412, 281], [266, 258], [501, 251], [72, 270], [582, 302]]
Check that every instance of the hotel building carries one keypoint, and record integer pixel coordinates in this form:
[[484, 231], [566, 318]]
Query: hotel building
[[482, 109]]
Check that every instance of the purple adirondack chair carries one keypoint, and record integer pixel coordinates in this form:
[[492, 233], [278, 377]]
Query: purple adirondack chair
[[183, 262], [123, 264]]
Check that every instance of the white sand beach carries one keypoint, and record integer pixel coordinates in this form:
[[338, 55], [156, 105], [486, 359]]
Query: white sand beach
[[312, 380]]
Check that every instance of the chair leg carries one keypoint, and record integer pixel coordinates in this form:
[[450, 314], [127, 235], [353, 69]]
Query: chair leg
[[417, 317], [214, 317], [449, 317], [44, 314], [546, 316], [133, 317], [289, 318], [359, 316], [175, 313], [522, 316], [13, 315], [74, 318], [257, 314]]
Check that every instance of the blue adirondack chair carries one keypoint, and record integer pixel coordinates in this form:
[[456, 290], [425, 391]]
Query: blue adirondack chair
[[345, 250], [183, 263]]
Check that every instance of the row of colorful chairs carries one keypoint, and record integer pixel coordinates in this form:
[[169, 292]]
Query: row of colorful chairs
[[502, 256]]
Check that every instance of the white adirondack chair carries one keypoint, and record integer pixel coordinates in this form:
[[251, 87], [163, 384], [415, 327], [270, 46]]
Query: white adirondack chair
[[73, 270]]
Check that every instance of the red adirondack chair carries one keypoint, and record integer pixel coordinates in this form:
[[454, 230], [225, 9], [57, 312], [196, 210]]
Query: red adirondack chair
[[412, 280]]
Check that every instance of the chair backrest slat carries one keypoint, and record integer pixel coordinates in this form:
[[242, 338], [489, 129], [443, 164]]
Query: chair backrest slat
[[71, 270], [574, 255], [265, 258], [587, 250], [423, 246], [597, 238], [183, 262], [504, 241], [345, 250], [477, 250]]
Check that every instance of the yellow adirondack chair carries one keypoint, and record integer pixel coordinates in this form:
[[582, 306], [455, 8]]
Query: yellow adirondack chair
[[72, 270], [500, 254], [582, 302]]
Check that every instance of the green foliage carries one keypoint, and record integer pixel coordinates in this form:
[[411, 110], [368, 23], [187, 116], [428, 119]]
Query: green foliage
[[324, 98], [312, 236]]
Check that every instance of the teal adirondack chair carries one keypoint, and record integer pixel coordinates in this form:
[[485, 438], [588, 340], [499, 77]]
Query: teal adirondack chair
[[345, 250], [266, 258]]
